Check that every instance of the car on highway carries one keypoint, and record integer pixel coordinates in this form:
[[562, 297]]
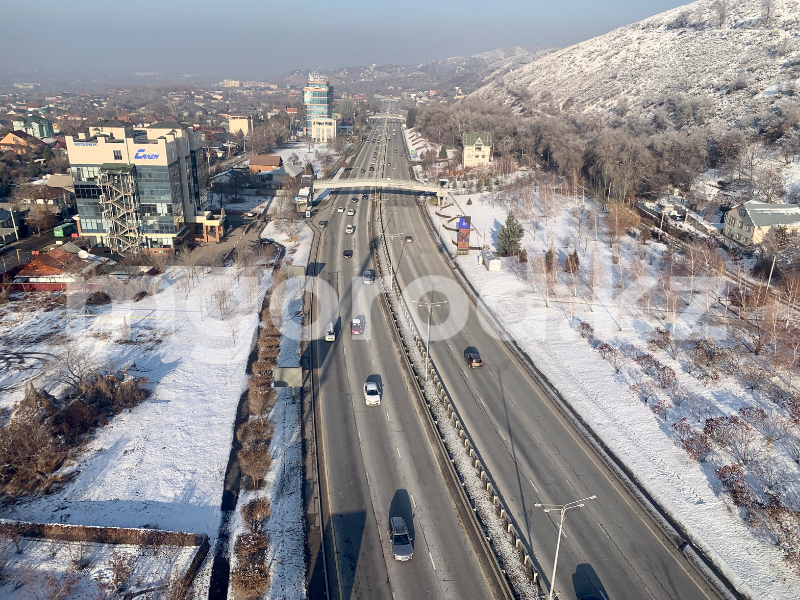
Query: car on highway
[[473, 358], [372, 168], [350, 229], [340, 209], [401, 540], [388, 164], [369, 277], [409, 239], [365, 196], [395, 151], [354, 199], [363, 170], [351, 212], [330, 333], [372, 394], [347, 254], [356, 327], [388, 179]]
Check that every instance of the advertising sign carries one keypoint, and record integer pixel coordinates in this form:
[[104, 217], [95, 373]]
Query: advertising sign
[[463, 235]]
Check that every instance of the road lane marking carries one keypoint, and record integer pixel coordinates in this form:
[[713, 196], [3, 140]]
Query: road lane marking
[[398, 453], [603, 529], [504, 438], [433, 563], [388, 418], [415, 504], [535, 489]]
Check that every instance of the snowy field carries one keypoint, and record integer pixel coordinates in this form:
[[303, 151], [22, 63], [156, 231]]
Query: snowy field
[[639, 432], [161, 464], [46, 568]]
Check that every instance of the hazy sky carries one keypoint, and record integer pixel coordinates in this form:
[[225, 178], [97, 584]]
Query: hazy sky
[[258, 39]]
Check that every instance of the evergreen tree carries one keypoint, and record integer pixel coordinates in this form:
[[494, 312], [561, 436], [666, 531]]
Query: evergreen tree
[[489, 187], [479, 185], [443, 152], [550, 261], [645, 236], [509, 236], [47, 153], [33, 169], [411, 117], [469, 201], [572, 263]]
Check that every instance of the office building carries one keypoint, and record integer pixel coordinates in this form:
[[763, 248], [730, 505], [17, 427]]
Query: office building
[[323, 129], [140, 189], [317, 97]]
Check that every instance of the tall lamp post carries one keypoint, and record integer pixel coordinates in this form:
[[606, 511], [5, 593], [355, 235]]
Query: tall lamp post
[[563, 508], [430, 306]]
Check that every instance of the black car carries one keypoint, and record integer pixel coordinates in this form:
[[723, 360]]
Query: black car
[[372, 168], [365, 196], [473, 358], [355, 199], [363, 170], [347, 254]]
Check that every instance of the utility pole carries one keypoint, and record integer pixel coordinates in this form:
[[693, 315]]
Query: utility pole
[[562, 508]]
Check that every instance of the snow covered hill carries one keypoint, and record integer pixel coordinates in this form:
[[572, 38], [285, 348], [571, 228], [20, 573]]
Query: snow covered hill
[[725, 58]]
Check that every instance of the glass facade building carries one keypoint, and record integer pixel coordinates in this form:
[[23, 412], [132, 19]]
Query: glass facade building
[[317, 96]]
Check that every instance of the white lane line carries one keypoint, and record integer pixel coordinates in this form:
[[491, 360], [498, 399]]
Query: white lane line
[[373, 362], [398, 453], [387, 415], [501, 435], [604, 530], [415, 504], [359, 436], [535, 489], [433, 563]]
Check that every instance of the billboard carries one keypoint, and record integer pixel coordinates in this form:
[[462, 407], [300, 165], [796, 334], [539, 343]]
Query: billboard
[[463, 235]]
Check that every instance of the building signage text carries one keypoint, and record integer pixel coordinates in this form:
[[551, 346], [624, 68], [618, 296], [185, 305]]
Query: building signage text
[[142, 155]]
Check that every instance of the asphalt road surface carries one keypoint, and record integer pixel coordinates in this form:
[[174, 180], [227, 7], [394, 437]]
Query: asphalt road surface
[[610, 548], [377, 460]]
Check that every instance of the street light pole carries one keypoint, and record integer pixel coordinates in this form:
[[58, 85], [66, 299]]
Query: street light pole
[[563, 508], [430, 306]]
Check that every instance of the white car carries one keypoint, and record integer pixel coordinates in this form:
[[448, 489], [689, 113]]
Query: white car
[[340, 209], [351, 212], [350, 229], [372, 393]]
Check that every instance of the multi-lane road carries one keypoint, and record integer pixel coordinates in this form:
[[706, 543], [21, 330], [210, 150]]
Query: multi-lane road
[[377, 461], [611, 549]]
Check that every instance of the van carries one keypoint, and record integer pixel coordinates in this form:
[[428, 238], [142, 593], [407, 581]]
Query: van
[[330, 333]]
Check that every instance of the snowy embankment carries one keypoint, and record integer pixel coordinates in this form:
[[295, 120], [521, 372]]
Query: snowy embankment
[[162, 464], [544, 311]]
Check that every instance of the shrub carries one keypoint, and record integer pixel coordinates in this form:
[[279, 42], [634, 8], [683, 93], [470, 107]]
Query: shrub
[[572, 263], [249, 581], [254, 461], [732, 478], [251, 545], [98, 298], [255, 512], [140, 296], [255, 431], [585, 330]]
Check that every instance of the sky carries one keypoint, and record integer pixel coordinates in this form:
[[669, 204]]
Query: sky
[[260, 40]]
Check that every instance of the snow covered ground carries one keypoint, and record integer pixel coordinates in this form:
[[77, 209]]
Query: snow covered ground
[[161, 464], [46, 566], [644, 439]]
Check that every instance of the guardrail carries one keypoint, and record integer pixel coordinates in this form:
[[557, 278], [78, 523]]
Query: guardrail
[[501, 508]]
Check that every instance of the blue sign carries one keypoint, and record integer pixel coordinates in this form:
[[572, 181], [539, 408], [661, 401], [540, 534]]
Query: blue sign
[[140, 154], [464, 223]]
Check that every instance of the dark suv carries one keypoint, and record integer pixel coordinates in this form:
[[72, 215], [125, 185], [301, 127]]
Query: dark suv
[[473, 358]]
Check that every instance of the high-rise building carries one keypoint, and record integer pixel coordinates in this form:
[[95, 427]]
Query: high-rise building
[[317, 96], [139, 189]]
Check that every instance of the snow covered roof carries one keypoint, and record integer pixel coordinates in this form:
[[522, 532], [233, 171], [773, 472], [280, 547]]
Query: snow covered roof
[[764, 214]]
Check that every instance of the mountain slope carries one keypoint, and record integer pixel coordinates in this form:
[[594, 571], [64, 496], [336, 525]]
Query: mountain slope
[[731, 58]]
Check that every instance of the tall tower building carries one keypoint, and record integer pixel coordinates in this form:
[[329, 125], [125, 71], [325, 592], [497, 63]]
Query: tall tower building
[[317, 96]]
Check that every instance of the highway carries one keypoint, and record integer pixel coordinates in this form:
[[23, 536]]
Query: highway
[[611, 549], [376, 461]]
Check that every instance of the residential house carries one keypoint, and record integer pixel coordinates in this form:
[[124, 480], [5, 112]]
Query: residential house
[[20, 142], [54, 271], [261, 163], [37, 126], [477, 149], [749, 222]]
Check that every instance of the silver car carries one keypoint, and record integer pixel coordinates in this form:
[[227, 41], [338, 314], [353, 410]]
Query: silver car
[[401, 540]]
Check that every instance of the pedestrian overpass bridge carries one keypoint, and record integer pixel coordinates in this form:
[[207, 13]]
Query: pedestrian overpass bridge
[[381, 184]]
